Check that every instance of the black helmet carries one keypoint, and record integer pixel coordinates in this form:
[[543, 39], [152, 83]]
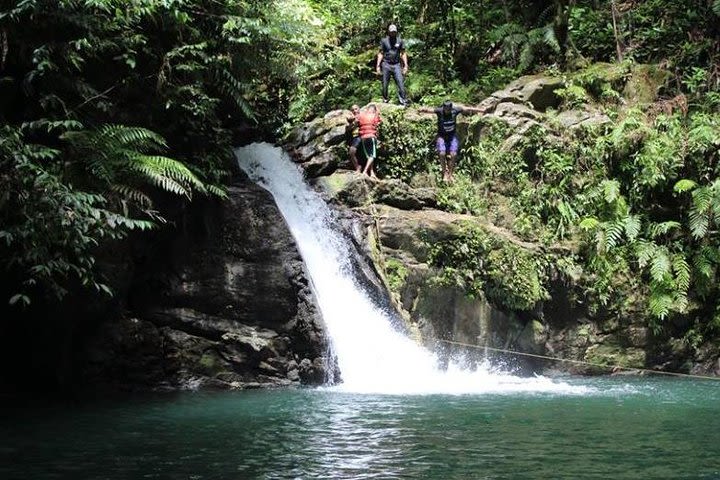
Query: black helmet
[[447, 105]]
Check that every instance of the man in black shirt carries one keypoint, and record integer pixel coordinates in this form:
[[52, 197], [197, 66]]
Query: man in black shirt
[[392, 60]]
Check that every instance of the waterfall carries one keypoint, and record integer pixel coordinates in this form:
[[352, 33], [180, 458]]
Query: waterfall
[[372, 356]]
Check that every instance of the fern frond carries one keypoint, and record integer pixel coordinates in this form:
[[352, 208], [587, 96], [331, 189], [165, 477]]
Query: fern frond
[[702, 199], [680, 302], [138, 138], [660, 304], [632, 227], [233, 89], [134, 195], [660, 266], [550, 39], [218, 191], [527, 55], [644, 251], [156, 175], [705, 261], [658, 229], [614, 232], [699, 223], [681, 269], [611, 190]]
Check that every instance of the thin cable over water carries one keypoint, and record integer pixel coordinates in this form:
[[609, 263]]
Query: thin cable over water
[[581, 362]]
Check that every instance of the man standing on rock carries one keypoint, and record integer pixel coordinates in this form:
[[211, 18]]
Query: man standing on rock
[[447, 143], [392, 60], [368, 121]]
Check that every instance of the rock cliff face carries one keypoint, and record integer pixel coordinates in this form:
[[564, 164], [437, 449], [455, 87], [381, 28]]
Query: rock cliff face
[[234, 309], [399, 224]]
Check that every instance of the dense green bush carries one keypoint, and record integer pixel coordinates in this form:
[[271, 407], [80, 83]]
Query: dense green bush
[[483, 264]]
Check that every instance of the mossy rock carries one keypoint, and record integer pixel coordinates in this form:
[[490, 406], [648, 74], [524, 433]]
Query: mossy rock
[[350, 188], [645, 83], [612, 355], [533, 337]]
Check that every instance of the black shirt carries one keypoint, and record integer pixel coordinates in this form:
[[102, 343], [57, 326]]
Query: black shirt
[[446, 123], [391, 49]]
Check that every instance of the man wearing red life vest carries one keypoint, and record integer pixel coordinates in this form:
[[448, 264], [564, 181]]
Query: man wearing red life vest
[[368, 121]]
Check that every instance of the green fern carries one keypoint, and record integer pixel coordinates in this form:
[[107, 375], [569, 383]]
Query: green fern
[[121, 157], [232, 89], [613, 234], [611, 190], [661, 304], [660, 265], [663, 228], [705, 209], [632, 224], [644, 251], [681, 271]]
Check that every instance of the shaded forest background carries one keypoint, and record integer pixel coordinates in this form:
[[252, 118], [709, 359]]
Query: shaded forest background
[[115, 114]]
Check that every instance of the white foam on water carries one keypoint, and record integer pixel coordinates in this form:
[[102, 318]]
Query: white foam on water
[[372, 356]]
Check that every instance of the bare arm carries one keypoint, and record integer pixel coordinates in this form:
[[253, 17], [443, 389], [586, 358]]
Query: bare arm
[[378, 62], [403, 58]]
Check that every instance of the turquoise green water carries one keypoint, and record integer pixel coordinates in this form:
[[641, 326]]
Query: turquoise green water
[[619, 429]]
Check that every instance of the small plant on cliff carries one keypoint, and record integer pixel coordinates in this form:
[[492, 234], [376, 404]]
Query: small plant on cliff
[[406, 147], [484, 264], [462, 196], [396, 273]]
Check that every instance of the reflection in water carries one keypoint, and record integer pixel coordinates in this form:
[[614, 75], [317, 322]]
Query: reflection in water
[[635, 429]]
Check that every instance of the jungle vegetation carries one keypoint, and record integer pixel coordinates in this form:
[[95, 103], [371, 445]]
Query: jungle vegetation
[[112, 109]]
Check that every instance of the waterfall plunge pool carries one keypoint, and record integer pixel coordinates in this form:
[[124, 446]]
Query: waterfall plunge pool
[[618, 428], [395, 416]]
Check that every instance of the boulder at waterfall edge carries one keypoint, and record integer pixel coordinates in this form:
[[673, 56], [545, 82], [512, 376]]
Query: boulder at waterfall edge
[[233, 309]]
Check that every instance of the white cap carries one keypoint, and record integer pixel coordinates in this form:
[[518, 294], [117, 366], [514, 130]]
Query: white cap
[[392, 28]]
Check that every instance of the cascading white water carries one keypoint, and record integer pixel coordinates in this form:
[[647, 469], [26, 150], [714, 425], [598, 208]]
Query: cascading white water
[[372, 356]]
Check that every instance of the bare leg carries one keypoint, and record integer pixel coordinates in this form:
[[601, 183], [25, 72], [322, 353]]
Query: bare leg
[[451, 166], [443, 164], [369, 165], [353, 158]]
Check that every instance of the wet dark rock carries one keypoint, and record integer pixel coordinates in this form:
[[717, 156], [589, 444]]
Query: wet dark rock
[[234, 314]]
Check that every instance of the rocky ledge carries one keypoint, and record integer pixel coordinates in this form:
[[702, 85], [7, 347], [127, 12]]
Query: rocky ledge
[[396, 225]]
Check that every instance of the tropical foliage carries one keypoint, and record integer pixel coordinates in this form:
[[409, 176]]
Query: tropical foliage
[[110, 107]]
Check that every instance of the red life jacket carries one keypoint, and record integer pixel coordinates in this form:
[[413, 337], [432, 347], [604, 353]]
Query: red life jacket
[[368, 122]]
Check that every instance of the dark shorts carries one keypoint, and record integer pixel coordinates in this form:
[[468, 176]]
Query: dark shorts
[[447, 144], [354, 142], [369, 147]]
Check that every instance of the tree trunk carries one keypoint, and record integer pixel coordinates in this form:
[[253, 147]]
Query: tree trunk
[[618, 47]]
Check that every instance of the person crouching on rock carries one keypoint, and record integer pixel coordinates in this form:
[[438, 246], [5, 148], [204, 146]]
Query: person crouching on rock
[[352, 134], [368, 121]]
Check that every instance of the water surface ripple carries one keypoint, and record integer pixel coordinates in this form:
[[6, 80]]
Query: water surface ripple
[[621, 429]]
